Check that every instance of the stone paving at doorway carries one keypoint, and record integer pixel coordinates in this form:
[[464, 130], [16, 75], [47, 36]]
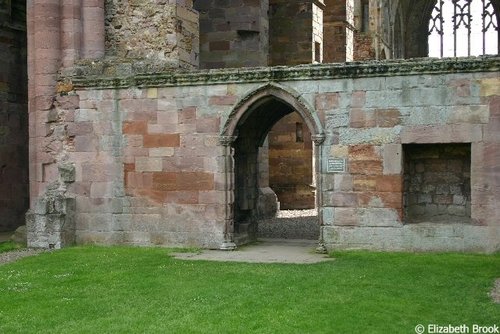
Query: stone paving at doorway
[[264, 251]]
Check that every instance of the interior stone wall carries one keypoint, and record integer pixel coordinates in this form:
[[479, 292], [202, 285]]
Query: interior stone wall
[[290, 163], [437, 183], [14, 194]]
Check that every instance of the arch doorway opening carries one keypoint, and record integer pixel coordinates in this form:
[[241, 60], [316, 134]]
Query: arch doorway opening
[[275, 164]]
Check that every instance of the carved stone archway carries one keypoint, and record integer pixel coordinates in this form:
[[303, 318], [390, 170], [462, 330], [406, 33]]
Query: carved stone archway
[[245, 131]]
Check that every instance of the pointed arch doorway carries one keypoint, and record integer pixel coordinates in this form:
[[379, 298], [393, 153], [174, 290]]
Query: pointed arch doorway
[[247, 199]]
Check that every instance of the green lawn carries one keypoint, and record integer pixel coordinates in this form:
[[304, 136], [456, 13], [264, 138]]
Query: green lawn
[[8, 246], [143, 290]]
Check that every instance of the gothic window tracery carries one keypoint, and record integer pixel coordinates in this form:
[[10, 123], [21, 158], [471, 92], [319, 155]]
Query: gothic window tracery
[[459, 28]]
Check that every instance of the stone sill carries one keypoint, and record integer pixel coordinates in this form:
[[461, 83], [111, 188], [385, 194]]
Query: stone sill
[[120, 74]]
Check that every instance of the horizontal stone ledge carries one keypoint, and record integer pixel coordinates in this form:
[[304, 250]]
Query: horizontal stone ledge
[[102, 74]]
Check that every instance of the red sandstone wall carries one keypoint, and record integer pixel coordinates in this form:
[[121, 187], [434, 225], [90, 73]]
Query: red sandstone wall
[[236, 35], [13, 116], [290, 163], [149, 166], [363, 47], [335, 31], [290, 32]]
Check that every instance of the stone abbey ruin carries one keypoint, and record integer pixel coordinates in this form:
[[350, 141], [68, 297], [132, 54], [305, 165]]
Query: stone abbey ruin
[[189, 123]]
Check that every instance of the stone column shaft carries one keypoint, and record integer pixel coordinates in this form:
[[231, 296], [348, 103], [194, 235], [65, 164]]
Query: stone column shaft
[[44, 61], [71, 31], [93, 31]]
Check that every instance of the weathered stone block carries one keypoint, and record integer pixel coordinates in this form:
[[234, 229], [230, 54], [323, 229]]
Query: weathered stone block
[[101, 189], [358, 99], [161, 140], [365, 167], [187, 115], [226, 100], [364, 152], [387, 118], [85, 143], [327, 101], [442, 134], [345, 217], [80, 128], [67, 172], [379, 217], [344, 200], [361, 118], [470, 114], [54, 228], [389, 183], [152, 93], [339, 151], [392, 200], [186, 181], [364, 183], [135, 128], [151, 164], [161, 152], [490, 87], [392, 157], [328, 215], [343, 182], [208, 125]]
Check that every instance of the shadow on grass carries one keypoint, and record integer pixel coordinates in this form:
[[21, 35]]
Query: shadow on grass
[[7, 246]]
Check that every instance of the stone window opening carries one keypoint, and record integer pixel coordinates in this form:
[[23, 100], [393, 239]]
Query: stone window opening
[[437, 183], [365, 16], [299, 133], [317, 52], [462, 28]]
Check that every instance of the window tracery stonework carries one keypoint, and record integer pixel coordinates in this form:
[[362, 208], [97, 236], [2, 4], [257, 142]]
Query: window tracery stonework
[[463, 28]]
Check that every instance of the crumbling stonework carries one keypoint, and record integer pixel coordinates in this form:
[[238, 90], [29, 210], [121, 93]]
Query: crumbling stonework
[[56, 128], [51, 218], [51, 222], [160, 31]]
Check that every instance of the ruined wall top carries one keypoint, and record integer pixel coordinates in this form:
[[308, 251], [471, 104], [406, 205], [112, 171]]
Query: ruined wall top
[[141, 74]]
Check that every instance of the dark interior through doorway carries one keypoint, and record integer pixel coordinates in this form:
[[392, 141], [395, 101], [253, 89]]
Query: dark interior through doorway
[[14, 186], [256, 206]]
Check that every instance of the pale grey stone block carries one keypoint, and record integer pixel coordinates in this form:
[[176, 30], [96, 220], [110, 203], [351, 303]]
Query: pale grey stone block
[[392, 158]]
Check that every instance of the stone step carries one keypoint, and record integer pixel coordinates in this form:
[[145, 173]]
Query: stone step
[[242, 239]]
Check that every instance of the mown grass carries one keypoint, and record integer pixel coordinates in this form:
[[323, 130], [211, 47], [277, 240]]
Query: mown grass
[[143, 290]]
